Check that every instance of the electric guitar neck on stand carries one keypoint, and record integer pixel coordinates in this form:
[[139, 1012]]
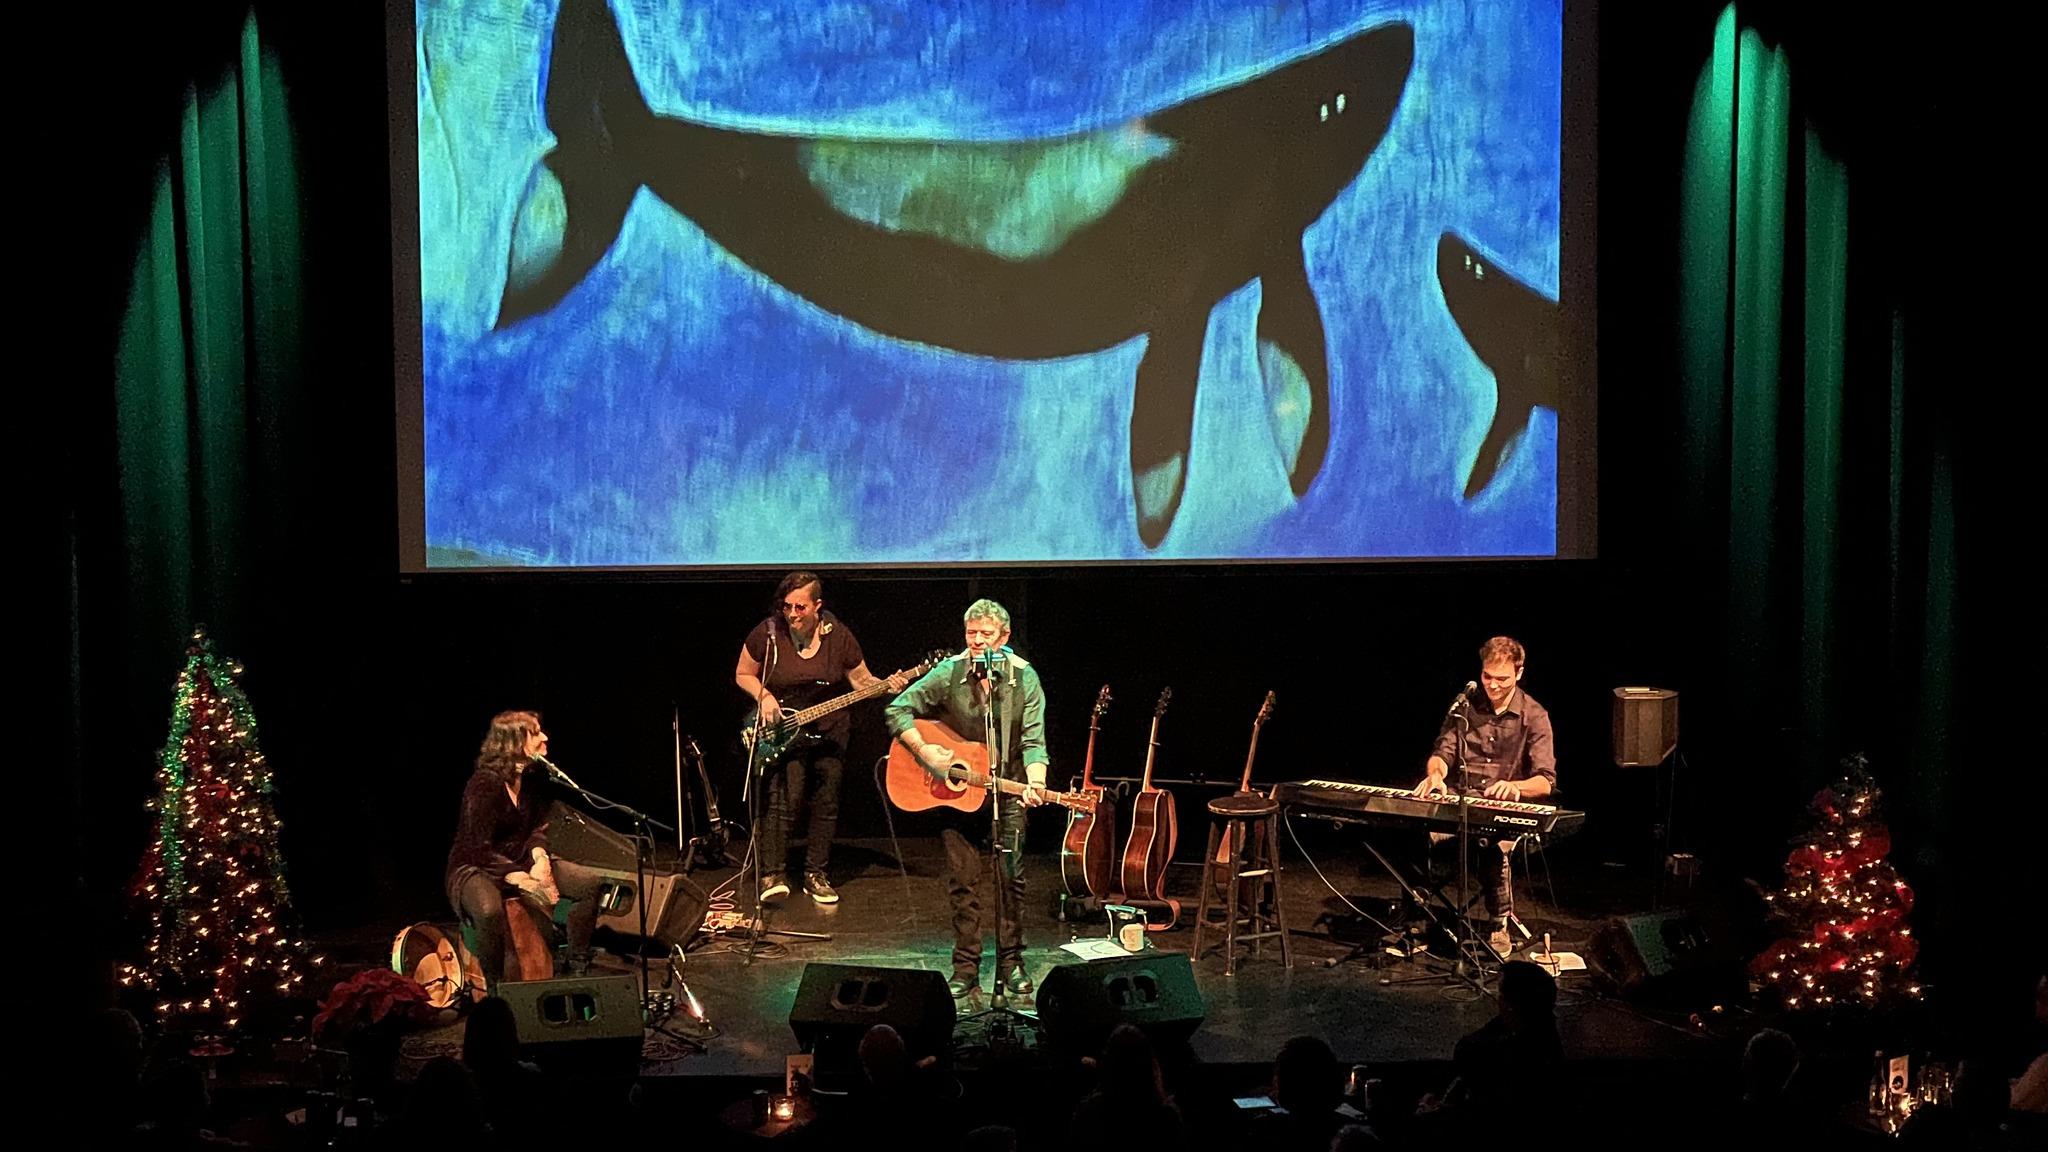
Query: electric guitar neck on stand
[[708, 848]]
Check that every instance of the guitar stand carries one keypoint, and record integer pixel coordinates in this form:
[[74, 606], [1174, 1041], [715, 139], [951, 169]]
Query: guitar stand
[[1074, 909], [1151, 906]]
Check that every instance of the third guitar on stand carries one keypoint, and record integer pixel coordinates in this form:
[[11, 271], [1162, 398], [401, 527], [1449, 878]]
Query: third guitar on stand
[[1155, 832], [1228, 849]]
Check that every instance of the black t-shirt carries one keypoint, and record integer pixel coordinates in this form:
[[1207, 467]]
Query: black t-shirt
[[800, 683]]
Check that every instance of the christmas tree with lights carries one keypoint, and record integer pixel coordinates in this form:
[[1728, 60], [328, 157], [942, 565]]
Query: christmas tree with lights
[[1843, 910], [212, 886]]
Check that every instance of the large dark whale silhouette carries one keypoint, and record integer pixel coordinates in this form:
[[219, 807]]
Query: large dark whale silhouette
[[1513, 329], [1245, 171]]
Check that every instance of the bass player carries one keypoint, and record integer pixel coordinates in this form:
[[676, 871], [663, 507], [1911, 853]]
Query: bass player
[[794, 658]]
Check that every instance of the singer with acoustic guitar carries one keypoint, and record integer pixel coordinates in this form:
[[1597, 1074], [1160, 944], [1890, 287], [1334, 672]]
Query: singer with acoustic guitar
[[792, 660], [501, 848], [954, 694]]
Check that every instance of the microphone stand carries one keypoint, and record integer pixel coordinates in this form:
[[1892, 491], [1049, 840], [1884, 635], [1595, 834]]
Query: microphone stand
[[1470, 943], [992, 742], [675, 728], [644, 827], [1464, 969], [756, 928], [752, 796]]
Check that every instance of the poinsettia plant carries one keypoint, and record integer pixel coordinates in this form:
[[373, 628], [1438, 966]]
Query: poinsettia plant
[[369, 999]]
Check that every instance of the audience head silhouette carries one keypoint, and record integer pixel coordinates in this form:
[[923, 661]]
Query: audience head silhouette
[[884, 1060], [1307, 1078], [1129, 1068], [1768, 1062], [492, 1039]]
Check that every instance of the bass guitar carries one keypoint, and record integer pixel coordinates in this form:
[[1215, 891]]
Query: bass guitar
[[769, 744]]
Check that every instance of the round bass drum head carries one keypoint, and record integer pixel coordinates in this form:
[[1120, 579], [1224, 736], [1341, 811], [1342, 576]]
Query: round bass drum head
[[432, 958]]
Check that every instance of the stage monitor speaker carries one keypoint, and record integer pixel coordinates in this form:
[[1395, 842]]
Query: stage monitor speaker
[[836, 1004], [583, 1027], [1667, 958], [1081, 1004], [675, 904], [1645, 726], [574, 834]]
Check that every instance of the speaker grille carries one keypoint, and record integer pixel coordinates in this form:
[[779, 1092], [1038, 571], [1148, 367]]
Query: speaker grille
[[1645, 726]]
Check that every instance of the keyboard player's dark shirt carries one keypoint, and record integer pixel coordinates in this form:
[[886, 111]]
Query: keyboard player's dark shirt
[[1513, 744]]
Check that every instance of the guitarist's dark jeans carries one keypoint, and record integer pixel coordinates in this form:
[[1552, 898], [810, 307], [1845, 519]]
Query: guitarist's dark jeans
[[966, 841], [785, 794]]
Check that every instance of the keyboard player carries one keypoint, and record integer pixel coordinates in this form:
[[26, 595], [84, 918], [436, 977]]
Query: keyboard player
[[1501, 739]]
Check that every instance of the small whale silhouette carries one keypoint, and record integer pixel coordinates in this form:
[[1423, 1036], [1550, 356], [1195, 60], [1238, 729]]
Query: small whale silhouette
[[1513, 329]]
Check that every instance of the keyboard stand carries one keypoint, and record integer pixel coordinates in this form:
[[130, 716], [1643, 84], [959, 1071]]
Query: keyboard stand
[[1470, 966]]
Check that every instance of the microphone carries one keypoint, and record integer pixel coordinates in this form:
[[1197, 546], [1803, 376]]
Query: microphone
[[555, 773], [1463, 696], [982, 665]]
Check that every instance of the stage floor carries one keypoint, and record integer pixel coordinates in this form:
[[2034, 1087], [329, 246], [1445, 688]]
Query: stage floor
[[895, 914]]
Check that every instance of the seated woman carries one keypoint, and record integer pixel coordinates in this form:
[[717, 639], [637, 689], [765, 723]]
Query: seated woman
[[501, 848]]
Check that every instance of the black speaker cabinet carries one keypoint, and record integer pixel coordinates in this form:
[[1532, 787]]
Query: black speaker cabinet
[[579, 1026], [574, 834], [1667, 958], [836, 1004], [1081, 1004], [675, 904], [1645, 726]]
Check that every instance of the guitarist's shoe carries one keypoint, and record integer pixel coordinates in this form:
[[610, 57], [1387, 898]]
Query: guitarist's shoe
[[774, 888], [1016, 981], [821, 889], [962, 985]]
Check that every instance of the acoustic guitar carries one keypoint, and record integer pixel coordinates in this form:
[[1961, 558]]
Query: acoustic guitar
[[1088, 858], [1155, 832], [1227, 847], [965, 782]]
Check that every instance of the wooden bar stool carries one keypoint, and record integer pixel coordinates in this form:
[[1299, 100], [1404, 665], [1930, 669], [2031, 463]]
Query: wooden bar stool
[[1246, 820]]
